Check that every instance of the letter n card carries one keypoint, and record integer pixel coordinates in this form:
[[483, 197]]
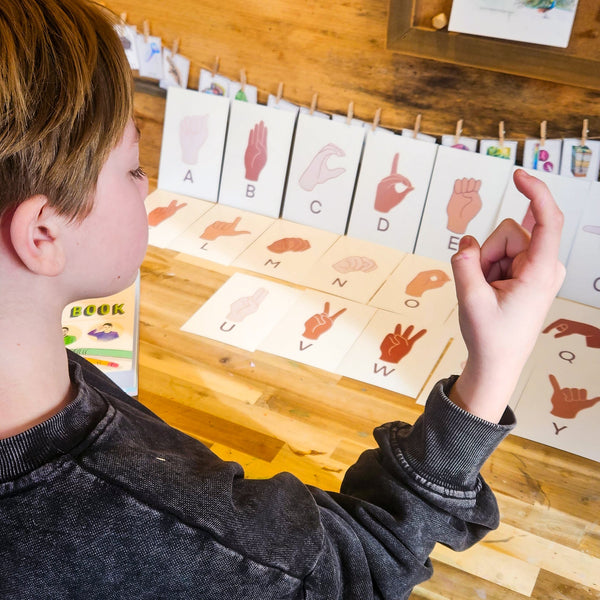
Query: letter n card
[[256, 158], [192, 144], [322, 173]]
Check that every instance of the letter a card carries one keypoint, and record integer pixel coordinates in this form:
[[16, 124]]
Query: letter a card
[[560, 401], [257, 152], [464, 196], [192, 144], [322, 173], [391, 190]]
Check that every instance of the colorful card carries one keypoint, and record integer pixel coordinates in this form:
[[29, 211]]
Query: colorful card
[[419, 286], [580, 160], [245, 93], [192, 144], [213, 84], [544, 157], [506, 149], [221, 234], [149, 50], [353, 269], [465, 193], [176, 70], [391, 190], [322, 173], [242, 311], [286, 250], [128, 36], [582, 282], [257, 152], [395, 352], [318, 330], [570, 195], [460, 143], [170, 214]]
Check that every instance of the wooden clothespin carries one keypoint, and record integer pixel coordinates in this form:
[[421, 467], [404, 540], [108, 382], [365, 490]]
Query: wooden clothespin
[[243, 79], [313, 103], [175, 47], [501, 133], [417, 127], [146, 29], [543, 134], [458, 132], [279, 92], [376, 119], [123, 18], [584, 132], [350, 113], [215, 68]]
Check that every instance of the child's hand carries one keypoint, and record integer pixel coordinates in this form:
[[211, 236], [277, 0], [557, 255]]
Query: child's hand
[[504, 291]]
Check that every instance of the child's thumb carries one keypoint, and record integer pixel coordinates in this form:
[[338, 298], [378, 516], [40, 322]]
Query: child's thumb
[[466, 266]]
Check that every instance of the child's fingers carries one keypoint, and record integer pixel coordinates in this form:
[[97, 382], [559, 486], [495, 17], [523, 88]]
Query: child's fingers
[[466, 267], [506, 241]]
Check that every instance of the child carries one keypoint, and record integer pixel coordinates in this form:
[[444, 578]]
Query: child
[[98, 497]]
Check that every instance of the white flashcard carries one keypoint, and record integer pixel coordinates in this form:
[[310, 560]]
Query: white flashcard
[[464, 196], [423, 137], [344, 119], [170, 214], [322, 173], [544, 157], [462, 143], [176, 70], [318, 330], [128, 36], [419, 286], [580, 160], [395, 352], [221, 234], [150, 56], [257, 152], [282, 104], [286, 250], [304, 110], [582, 282], [391, 190], [249, 93], [570, 195], [193, 142], [215, 85], [353, 269], [560, 401], [506, 150], [242, 311]]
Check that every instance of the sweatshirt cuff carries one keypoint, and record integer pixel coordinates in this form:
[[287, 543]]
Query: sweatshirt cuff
[[446, 447]]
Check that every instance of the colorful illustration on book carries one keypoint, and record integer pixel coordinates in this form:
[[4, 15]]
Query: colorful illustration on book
[[396, 345], [105, 332], [351, 264], [70, 335], [388, 196], [246, 305], [318, 171], [289, 244], [425, 281], [161, 213], [316, 325], [255, 157], [218, 229], [464, 204]]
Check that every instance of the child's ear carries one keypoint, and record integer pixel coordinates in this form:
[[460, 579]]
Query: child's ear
[[35, 233]]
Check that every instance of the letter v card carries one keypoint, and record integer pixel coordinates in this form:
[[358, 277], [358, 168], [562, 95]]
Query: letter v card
[[256, 158]]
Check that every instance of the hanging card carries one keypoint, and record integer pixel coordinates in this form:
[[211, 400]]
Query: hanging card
[[318, 330], [192, 144], [544, 157], [344, 119], [286, 250], [242, 311], [150, 56], [169, 214], [256, 158], [581, 161], [282, 104], [391, 190], [396, 352], [176, 70], [353, 269], [570, 195], [462, 143], [322, 173], [464, 196], [423, 137], [248, 94], [214, 85], [420, 286], [221, 234], [582, 282], [128, 36], [304, 110], [506, 150]]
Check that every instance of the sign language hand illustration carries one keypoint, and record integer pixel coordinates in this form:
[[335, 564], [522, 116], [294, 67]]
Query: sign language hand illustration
[[388, 196], [255, 157], [246, 305], [319, 323], [567, 402], [566, 327], [318, 171], [464, 204], [425, 281], [193, 132], [161, 213], [595, 229], [397, 345], [222, 228]]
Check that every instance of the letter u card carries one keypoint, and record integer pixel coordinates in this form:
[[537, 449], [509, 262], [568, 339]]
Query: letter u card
[[391, 190], [192, 144], [256, 158], [464, 196], [323, 173]]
